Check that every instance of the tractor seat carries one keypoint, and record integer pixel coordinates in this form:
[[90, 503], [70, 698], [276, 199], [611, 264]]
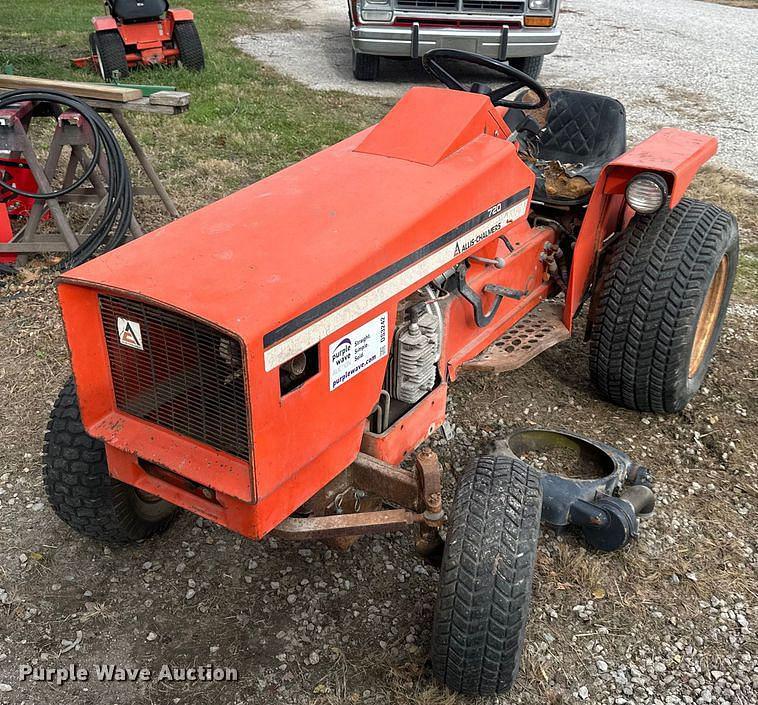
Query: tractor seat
[[584, 130], [137, 10]]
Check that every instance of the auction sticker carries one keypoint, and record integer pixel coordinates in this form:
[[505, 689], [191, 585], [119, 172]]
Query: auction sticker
[[359, 349]]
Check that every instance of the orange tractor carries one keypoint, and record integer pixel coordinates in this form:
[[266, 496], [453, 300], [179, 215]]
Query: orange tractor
[[137, 33], [268, 361]]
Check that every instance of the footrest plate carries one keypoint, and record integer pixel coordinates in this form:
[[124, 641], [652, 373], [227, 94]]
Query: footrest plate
[[536, 332]]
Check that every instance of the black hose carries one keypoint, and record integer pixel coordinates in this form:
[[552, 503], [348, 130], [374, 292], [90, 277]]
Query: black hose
[[111, 230]]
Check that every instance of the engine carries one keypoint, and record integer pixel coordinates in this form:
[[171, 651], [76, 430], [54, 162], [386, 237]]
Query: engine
[[412, 368]]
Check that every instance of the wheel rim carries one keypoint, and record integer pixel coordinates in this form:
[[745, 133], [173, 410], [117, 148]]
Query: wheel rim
[[149, 506], [709, 315]]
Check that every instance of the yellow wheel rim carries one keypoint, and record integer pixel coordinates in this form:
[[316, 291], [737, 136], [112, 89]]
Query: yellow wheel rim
[[709, 315]]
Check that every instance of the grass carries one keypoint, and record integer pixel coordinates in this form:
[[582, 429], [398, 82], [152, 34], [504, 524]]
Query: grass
[[245, 122]]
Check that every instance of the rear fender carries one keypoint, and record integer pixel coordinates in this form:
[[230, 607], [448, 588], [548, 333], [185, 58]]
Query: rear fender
[[104, 23], [674, 154], [179, 14]]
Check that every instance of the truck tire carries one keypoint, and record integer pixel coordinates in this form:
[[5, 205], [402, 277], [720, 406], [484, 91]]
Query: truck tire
[[188, 43], [659, 305], [530, 65], [81, 491], [365, 66], [486, 576], [110, 53]]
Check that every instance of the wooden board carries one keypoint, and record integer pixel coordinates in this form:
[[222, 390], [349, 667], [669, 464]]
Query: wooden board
[[115, 94], [178, 99], [143, 105]]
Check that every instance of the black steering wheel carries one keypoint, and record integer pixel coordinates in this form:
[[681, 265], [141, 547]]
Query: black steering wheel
[[518, 79]]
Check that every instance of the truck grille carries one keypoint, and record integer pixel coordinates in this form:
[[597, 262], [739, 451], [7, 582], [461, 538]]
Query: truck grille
[[187, 377], [510, 7], [493, 6], [446, 5]]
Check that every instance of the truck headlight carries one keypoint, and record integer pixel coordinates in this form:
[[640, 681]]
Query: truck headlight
[[539, 13], [376, 10], [372, 15], [647, 192]]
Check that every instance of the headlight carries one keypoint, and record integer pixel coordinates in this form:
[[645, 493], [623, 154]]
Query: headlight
[[375, 11], [539, 4], [369, 15], [646, 192]]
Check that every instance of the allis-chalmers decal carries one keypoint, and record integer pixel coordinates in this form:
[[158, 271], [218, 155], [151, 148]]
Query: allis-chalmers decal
[[314, 325]]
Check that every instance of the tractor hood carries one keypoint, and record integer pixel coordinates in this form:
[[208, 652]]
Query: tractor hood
[[302, 262], [252, 261]]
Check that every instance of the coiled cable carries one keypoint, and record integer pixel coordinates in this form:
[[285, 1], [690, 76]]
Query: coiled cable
[[110, 231]]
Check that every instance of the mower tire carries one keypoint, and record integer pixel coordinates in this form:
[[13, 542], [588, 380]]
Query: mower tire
[[659, 305], [81, 491], [188, 43], [486, 576], [365, 66], [110, 52], [530, 65]]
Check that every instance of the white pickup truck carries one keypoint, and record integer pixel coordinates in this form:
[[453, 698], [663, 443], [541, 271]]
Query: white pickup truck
[[519, 31]]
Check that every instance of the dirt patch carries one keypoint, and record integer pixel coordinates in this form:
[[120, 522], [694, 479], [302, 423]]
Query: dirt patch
[[563, 461]]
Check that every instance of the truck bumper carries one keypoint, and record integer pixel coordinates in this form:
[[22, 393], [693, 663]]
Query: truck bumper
[[387, 40]]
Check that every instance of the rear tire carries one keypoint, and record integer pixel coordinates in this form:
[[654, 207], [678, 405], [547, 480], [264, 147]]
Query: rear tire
[[659, 305], [81, 491], [110, 52], [486, 576], [365, 66], [188, 43], [530, 65]]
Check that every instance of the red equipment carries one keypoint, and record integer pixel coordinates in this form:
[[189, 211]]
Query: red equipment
[[17, 173], [303, 337], [142, 33]]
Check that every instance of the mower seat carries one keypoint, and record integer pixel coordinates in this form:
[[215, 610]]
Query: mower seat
[[582, 129], [137, 10]]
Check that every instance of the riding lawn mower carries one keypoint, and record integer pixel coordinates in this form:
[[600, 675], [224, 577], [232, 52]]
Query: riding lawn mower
[[275, 361], [138, 33]]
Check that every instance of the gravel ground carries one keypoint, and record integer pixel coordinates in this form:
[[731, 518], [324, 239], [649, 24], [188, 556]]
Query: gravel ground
[[680, 63], [669, 620]]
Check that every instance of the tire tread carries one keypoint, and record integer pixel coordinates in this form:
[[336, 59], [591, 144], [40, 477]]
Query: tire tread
[[77, 483], [486, 575], [648, 299]]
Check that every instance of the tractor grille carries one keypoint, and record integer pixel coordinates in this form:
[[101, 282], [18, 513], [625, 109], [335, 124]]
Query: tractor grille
[[187, 377]]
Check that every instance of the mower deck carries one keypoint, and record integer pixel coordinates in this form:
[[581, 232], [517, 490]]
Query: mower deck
[[532, 335]]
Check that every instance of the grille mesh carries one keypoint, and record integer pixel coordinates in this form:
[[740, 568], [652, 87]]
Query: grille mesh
[[427, 4], [515, 7], [188, 378], [494, 6]]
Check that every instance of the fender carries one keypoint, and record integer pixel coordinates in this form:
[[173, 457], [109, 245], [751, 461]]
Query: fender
[[179, 14], [104, 23], [674, 154]]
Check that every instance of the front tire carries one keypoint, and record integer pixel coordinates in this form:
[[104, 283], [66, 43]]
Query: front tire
[[486, 576], [110, 52], [365, 66], [81, 491], [660, 304], [530, 65], [188, 43]]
